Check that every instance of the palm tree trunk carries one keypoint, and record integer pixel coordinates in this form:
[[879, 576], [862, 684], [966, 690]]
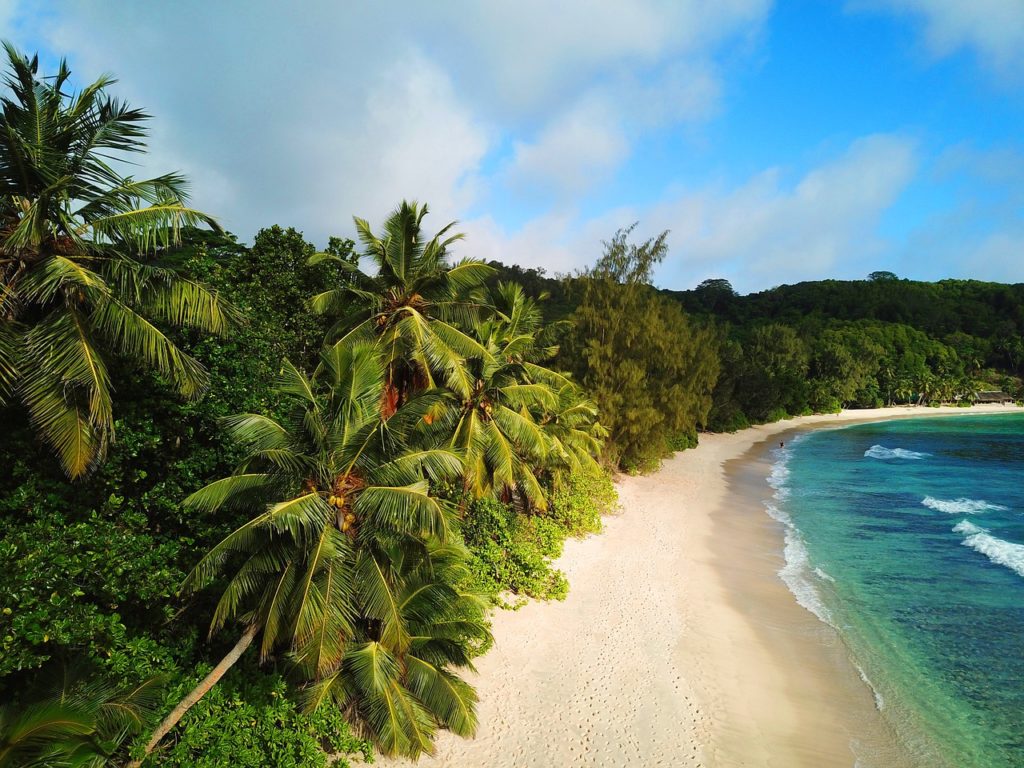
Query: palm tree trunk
[[198, 692]]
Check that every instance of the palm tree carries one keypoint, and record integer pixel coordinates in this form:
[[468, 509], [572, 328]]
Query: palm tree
[[414, 304], [414, 626], [492, 414], [78, 247], [340, 479], [569, 419], [575, 436], [76, 724]]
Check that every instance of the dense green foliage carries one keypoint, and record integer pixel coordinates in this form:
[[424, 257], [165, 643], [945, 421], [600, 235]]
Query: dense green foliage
[[513, 551], [251, 721], [819, 346], [855, 344], [647, 365], [75, 722], [119, 541]]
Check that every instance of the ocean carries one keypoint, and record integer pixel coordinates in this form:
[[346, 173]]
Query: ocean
[[908, 537]]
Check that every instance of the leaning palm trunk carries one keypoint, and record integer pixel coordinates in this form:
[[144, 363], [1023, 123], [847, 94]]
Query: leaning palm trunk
[[198, 692]]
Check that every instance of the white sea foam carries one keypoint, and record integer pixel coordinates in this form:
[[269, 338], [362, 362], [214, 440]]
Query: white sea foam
[[879, 700], [968, 528], [824, 576], [961, 506], [780, 474], [886, 454], [798, 573], [997, 550]]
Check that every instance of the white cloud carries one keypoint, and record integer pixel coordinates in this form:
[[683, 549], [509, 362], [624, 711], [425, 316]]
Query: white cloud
[[770, 232], [575, 151], [999, 166], [581, 147], [994, 29], [766, 231], [535, 56], [980, 231], [307, 115], [413, 139], [998, 256]]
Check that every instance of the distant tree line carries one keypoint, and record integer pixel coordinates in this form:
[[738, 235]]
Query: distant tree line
[[795, 349], [822, 346]]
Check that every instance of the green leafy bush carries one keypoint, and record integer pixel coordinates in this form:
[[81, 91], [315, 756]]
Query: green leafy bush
[[513, 551], [580, 503], [249, 721], [683, 441], [508, 555]]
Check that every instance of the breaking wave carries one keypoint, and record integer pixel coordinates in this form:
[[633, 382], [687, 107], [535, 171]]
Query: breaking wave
[[962, 506], [881, 452], [997, 550], [798, 573]]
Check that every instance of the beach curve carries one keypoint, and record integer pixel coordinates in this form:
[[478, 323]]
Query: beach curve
[[677, 644]]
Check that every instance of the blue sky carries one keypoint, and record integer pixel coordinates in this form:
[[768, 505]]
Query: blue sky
[[796, 140]]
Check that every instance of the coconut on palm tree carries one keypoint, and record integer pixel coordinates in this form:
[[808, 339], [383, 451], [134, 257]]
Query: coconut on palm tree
[[416, 303], [333, 488], [82, 281]]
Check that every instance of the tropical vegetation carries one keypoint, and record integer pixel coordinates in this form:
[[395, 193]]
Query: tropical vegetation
[[280, 542], [81, 250]]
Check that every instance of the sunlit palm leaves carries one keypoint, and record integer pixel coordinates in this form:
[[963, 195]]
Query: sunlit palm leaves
[[416, 627], [574, 433], [515, 419], [78, 260], [348, 564], [326, 480], [416, 303]]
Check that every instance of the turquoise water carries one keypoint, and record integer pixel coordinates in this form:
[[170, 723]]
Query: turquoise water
[[908, 537]]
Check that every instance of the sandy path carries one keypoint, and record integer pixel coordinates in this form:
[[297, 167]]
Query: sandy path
[[658, 656]]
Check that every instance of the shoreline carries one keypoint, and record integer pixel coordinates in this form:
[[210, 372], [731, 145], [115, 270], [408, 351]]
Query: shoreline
[[678, 644]]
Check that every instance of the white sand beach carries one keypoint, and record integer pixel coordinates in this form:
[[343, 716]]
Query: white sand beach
[[678, 645]]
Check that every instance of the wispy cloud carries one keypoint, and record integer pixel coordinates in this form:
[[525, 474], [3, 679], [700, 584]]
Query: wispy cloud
[[522, 119], [993, 29], [776, 227], [306, 116]]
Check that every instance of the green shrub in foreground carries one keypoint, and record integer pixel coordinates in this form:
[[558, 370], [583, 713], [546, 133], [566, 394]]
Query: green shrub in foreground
[[248, 721], [683, 441], [513, 551]]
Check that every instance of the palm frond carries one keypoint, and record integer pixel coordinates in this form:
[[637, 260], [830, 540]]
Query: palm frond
[[450, 699], [380, 602], [406, 509], [132, 334], [237, 490]]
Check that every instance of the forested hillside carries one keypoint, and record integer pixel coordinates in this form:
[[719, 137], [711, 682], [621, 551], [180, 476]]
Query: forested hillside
[[826, 345], [822, 346]]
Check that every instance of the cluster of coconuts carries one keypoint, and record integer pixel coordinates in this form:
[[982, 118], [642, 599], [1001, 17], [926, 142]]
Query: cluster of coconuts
[[338, 502]]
